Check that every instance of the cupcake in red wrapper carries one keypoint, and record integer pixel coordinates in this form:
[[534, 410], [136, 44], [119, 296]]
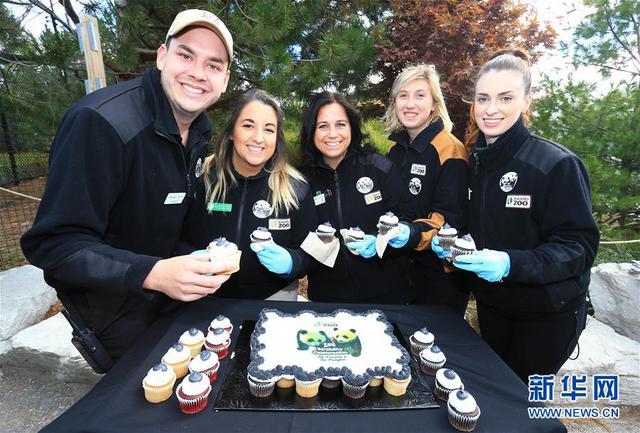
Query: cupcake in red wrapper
[[218, 341], [206, 363], [221, 322], [193, 393], [463, 410]]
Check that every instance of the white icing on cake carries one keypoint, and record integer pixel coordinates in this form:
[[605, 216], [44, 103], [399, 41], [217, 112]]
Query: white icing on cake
[[325, 229], [194, 384], [452, 382], [312, 345], [189, 339], [176, 354], [159, 375], [462, 401]]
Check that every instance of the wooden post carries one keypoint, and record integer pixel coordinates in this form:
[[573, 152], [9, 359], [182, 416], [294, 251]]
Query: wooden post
[[89, 39]]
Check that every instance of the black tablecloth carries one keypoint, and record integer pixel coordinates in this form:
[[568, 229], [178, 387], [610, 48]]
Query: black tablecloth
[[117, 404]]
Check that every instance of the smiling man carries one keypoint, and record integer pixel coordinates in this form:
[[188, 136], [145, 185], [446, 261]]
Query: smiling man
[[123, 166]]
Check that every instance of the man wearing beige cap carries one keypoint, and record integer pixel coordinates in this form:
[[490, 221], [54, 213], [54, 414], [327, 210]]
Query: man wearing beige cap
[[123, 166]]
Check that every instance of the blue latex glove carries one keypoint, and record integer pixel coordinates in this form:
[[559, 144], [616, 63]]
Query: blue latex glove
[[489, 265], [366, 247], [273, 257], [442, 253], [401, 240]]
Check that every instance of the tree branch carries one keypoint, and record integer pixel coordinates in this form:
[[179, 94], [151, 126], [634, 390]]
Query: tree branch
[[53, 14], [617, 38], [68, 8]]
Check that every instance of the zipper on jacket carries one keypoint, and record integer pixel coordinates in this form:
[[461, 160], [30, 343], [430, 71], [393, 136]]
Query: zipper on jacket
[[241, 211], [184, 159], [338, 200]]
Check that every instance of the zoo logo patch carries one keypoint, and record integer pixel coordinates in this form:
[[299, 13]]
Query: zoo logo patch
[[279, 224], [518, 201], [262, 209], [419, 169], [415, 186], [508, 181], [364, 185], [374, 197]]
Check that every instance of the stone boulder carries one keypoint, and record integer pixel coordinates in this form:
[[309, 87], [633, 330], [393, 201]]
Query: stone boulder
[[603, 351], [47, 346], [24, 299], [615, 295]]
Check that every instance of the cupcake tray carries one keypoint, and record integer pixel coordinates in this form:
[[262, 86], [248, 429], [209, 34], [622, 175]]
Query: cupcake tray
[[234, 392]]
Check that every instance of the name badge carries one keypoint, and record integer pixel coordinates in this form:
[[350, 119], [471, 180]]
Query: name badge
[[518, 201], [175, 197], [219, 207], [319, 199], [280, 224], [374, 197], [419, 169]]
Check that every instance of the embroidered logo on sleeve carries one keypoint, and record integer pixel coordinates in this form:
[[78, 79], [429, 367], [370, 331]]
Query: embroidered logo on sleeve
[[518, 201]]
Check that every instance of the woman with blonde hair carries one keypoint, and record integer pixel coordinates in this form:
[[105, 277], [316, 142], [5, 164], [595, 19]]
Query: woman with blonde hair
[[530, 217], [245, 184], [433, 165]]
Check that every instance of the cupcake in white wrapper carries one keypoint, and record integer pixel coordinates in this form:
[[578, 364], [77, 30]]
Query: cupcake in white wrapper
[[387, 222], [463, 411], [192, 339], [420, 340], [259, 235], [260, 387], [463, 246], [326, 232], [447, 381], [223, 251], [158, 383], [447, 236], [431, 360], [354, 388]]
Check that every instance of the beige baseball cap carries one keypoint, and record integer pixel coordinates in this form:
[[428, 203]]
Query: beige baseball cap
[[198, 17]]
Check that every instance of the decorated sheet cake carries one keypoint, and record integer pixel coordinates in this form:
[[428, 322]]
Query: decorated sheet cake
[[310, 346]]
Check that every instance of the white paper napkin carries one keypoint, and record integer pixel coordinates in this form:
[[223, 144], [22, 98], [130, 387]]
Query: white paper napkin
[[324, 253], [383, 240]]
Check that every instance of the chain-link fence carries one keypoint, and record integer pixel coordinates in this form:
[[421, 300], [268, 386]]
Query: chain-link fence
[[22, 179]]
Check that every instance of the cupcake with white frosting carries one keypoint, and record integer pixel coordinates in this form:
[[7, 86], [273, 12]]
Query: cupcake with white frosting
[[463, 246], [178, 357], [220, 250], [326, 232], [221, 321], [206, 363], [387, 222], [261, 234], [447, 236], [260, 387], [218, 341], [158, 383], [431, 360], [420, 340], [192, 339], [463, 410], [193, 393], [354, 234], [447, 381]]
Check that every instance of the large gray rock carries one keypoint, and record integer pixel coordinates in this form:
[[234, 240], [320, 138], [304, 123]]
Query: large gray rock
[[24, 299], [603, 351], [615, 295], [47, 346]]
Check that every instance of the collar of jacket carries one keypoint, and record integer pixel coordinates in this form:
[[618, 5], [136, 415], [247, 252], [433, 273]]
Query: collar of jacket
[[502, 149], [240, 178], [422, 140], [319, 162], [164, 121]]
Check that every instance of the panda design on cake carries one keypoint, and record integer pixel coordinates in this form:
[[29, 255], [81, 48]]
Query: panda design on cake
[[313, 339], [348, 340]]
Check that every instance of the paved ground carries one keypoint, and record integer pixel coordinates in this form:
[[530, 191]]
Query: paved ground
[[31, 399]]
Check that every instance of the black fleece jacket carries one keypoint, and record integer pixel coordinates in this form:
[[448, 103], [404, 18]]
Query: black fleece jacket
[[339, 201], [120, 183], [240, 215], [531, 198]]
